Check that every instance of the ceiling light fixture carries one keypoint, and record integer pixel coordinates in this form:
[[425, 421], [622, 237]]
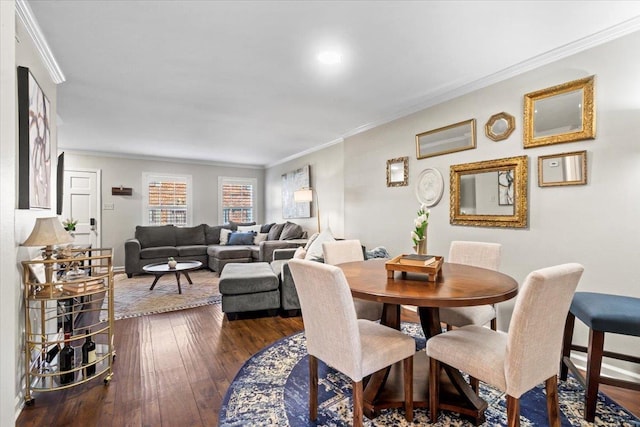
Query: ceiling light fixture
[[329, 57]]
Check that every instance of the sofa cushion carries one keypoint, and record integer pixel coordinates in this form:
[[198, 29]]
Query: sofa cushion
[[291, 231], [152, 235], [260, 237], [192, 250], [247, 228], [266, 227], [158, 252], [239, 279], [238, 238], [314, 253], [212, 233], [234, 225], [186, 236], [229, 252], [224, 236], [275, 231]]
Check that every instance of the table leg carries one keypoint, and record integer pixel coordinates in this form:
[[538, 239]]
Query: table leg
[[153, 285], [178, 280], [186, 274]]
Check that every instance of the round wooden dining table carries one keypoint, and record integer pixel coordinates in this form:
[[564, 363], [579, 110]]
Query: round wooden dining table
[[457, 285]]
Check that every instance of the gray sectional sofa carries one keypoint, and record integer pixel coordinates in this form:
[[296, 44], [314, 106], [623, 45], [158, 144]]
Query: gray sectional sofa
[[153, 244]]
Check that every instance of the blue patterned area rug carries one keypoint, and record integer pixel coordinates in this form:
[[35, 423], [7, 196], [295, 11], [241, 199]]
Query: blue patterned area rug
[[272, 389]]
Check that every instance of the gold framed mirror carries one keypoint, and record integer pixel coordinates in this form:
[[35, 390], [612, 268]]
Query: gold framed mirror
[[398, 172], [562, 169], [500, 126], [491, 193], [562, 113], [448, 139]]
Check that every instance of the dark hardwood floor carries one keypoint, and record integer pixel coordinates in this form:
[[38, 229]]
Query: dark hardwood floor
[[173, 369]]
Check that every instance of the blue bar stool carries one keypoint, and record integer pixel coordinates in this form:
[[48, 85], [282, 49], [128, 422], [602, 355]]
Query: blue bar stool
[[601, 313]]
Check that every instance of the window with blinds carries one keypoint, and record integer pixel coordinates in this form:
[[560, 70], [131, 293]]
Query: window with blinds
[[237, 199], [168, 199]]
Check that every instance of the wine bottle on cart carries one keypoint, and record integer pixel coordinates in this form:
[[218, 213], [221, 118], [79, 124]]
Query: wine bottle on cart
[[66, 359], [89, 356]]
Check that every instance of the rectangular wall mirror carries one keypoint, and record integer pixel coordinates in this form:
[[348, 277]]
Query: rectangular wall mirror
[[492, 193], [448, 139], [563, 113], [562, 169], [398, 172]]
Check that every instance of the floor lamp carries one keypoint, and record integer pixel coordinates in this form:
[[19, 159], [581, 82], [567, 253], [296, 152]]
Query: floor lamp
[[306, 195]]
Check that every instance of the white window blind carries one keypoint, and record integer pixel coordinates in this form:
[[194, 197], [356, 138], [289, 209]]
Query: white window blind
[[167, 199], [236, 198]]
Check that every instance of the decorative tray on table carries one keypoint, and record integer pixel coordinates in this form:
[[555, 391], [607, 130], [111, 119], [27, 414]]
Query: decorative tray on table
[[414, 263]]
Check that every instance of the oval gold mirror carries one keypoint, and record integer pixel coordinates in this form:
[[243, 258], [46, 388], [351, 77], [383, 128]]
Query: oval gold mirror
[[492, 193], [500, 126], [563, 113]]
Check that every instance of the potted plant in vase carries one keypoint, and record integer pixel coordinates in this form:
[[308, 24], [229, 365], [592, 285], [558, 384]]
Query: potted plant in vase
[[172, 262], [419, 234], [70, 225]]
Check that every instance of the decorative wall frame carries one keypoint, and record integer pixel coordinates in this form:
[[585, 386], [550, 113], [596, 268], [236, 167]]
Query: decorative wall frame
[[429, 187], [292, 181], [34, 148], [473, 194], [448, 139], [398, 172], [562, 113], [500, 126], [562, 169]]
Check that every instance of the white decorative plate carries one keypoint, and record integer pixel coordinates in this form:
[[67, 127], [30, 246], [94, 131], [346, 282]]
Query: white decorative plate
[[429, 187]]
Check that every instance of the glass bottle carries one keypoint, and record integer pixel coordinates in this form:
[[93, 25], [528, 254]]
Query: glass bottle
[[66, 359], [89, 356]]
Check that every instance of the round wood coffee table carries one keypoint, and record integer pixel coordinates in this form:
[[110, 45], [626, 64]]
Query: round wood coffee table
[[182, 267]]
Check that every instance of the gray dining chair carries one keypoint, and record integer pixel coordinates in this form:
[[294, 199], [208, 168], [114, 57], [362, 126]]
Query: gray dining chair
[[355, 347], [519, 360], [342, 251], [475, 254]]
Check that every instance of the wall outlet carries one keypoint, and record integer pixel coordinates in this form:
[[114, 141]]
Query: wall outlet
[[108, 206]]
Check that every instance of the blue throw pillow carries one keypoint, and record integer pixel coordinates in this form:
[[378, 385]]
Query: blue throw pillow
[[237, 238]]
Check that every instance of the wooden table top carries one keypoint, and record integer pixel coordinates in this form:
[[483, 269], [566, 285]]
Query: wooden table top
[[458, 285]]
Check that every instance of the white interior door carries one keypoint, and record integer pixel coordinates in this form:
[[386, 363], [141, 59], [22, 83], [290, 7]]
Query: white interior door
[[81, 202]]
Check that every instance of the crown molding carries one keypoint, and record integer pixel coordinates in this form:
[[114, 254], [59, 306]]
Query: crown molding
[[305, 152], [157, 158], [627, 27], [24, 12]]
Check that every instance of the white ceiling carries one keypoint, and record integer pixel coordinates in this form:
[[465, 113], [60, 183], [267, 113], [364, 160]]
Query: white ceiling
[[238, 82]]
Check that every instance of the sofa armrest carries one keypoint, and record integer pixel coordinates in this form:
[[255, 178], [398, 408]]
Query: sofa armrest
[[132, 250], [267, 247], [283, 253]]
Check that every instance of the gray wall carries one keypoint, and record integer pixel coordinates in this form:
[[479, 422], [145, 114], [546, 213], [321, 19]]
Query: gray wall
[[326, 170], [595, 224], [119, 224]]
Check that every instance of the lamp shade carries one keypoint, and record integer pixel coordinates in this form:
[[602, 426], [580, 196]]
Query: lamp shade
[[46, 232], [303, 195]]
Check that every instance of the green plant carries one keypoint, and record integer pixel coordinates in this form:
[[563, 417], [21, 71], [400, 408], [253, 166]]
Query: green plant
[[70, 224]]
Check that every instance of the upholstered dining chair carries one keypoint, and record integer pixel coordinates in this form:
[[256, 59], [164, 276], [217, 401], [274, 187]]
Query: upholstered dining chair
[[341, 251], [475, 254], [516, 361], [355, 347]]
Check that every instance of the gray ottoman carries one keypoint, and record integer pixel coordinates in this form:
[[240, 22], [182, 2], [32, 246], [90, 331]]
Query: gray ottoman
[[249, 287]]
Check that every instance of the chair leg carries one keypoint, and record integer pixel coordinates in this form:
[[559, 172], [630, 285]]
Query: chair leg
[[358, 404], [494, 323], [513, 411], [449, 327], [434, 389], [553, 407], [594, 364], [566, 344], [408, 388], [313, 387]]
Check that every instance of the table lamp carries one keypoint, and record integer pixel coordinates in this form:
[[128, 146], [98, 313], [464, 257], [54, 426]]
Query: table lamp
[[48, 232], [306, 195]]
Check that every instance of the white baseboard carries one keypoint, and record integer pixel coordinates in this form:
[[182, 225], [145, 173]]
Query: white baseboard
[[606, 370]]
